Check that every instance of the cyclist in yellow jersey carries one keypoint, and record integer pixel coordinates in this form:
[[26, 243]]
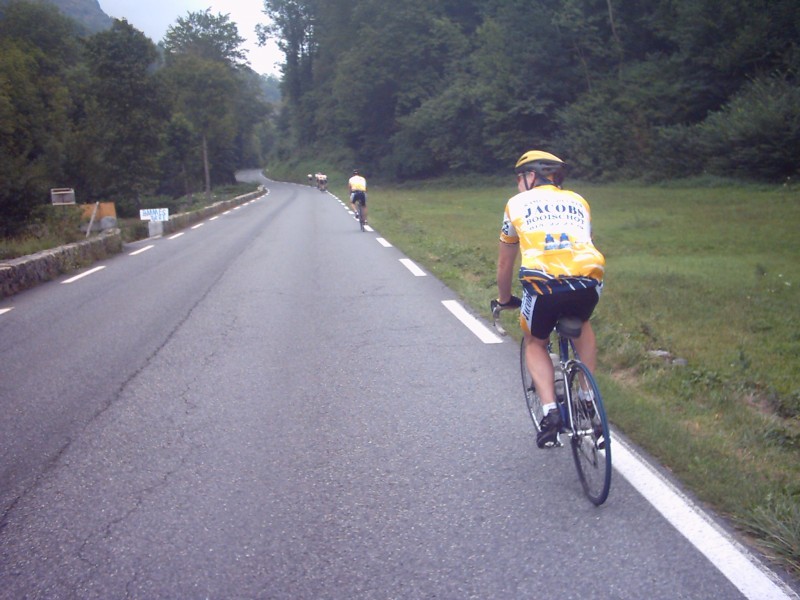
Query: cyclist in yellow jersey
[[357, 186], [561, 271]]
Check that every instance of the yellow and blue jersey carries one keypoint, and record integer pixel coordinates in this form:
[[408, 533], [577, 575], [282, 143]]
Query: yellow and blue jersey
[[553, 229], [357, 184]]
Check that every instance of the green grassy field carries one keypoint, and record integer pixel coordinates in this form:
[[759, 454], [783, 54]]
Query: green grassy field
[[710, 276]]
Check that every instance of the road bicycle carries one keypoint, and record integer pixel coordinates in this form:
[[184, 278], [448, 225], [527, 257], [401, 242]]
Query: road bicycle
[[583, 415], [360, 214]]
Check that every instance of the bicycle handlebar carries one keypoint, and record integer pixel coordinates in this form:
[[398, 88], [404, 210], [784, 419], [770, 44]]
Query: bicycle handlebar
[[497, 308]]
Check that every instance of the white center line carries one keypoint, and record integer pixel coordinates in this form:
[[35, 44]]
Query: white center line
[[383, 243], [409, 264], [140, 250], [177, 235], [82, 275], [473, 324]]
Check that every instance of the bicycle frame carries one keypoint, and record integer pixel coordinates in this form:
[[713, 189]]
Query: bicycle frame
[[584, 418]]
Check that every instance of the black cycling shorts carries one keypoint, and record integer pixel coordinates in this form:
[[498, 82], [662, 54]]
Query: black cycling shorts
[[541, 313], [360, 197]]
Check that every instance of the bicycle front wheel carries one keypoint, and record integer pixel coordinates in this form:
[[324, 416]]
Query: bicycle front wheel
[[591, 440], [532, 400]]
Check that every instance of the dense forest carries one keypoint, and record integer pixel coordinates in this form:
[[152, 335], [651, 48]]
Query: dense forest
[[402, 89], [621, 88], [116, 117]]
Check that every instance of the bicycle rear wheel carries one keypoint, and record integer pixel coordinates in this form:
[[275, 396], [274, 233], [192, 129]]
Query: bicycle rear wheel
[[360, 215], [591, 440], [532, 399]]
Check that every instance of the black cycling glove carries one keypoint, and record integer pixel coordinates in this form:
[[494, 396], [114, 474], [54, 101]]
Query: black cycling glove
[[514, 302]]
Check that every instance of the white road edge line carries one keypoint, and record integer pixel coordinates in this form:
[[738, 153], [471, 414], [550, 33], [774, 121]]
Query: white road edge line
[[198, 225], [383, 242], [5, 310], [140, 250], [740, 567], [82, 275], [409, 264], [177, 235], [475, 326]]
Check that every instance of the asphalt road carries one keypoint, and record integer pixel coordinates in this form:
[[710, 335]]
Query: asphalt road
[[273, 405]]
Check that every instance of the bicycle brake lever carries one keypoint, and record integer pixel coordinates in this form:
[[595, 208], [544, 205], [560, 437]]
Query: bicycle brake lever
[[496, 310]]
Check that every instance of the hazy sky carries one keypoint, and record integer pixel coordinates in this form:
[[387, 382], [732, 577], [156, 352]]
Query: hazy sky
[[154, 16]]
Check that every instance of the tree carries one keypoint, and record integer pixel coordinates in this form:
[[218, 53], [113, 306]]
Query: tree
[[128, 114], [201, 93], [292, 26], [204, 35], [36, 45], [203, 56]]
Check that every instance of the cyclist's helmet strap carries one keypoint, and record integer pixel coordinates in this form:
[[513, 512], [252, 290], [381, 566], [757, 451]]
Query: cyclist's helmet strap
[[549, 169]]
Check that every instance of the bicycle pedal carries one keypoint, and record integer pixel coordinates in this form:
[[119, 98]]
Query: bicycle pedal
[[554, 444]]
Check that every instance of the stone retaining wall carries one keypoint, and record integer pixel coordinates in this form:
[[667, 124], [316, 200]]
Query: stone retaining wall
[[28, 271]]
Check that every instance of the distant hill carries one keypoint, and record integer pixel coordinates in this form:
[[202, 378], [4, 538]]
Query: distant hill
[[86, 12]]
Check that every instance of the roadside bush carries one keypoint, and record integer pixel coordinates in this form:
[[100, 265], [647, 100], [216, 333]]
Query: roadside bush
[[48, 226], [757, 134]]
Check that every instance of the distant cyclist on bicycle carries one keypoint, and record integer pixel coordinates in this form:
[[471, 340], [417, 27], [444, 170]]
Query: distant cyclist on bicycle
[[561, 271], [357, 186]]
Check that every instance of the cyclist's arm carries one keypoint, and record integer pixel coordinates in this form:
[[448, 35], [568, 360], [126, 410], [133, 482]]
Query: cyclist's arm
[[506, 256]]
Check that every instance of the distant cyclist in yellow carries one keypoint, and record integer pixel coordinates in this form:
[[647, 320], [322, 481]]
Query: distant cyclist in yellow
[[357, 186], [561, 271]]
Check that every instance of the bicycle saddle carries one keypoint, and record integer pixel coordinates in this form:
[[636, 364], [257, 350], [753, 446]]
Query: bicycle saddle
[[569, 327]]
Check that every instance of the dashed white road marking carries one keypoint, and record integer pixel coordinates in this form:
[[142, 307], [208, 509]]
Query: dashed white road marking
[[5, 310], [177, 235], [473, 324], [383, 242], [198, 225], [214, 218], [82, 275], [140, 250], [409, 264]]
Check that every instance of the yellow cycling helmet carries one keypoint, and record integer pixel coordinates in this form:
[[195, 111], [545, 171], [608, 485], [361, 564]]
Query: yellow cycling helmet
[[549, 169]]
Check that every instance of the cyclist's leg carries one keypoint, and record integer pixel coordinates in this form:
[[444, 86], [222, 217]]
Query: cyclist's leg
[[537, 358], [537, 318], [586, 346], [364, 205], [582, 304]]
